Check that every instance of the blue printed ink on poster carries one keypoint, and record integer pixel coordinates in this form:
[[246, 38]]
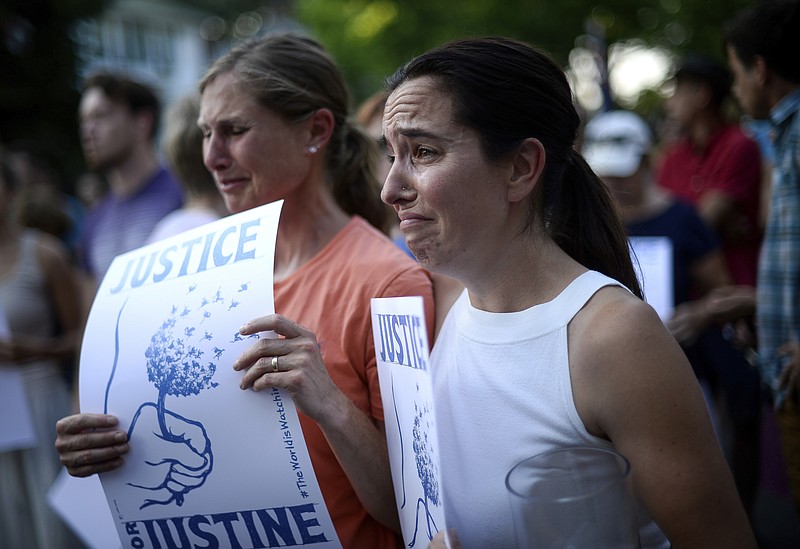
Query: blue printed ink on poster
[[289, 526], [402, 449], [160, 264], [181, 361], [426, 469], [401, 341], [426, 466]]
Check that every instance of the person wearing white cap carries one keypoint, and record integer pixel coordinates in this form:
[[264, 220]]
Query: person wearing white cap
[[617, 145], [616, 142]]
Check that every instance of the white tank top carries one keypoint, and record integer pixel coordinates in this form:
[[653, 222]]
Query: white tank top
[[502, 393]]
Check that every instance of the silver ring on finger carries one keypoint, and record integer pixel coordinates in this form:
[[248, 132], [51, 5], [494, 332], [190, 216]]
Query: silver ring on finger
[[274, 363]]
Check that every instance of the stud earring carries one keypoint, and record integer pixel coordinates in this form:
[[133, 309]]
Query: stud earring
[[313, 149]]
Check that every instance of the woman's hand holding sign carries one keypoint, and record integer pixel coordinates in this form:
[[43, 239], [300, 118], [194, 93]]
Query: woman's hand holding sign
[[93, 443], [90, 443], [292, 362]]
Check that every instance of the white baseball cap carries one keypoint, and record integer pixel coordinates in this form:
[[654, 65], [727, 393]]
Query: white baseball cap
[[614, 143]]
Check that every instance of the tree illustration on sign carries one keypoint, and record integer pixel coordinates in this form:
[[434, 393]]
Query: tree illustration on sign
[[181, 362], [426, 470]]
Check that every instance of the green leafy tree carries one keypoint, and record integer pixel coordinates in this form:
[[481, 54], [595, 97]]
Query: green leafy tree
[[370, 38]]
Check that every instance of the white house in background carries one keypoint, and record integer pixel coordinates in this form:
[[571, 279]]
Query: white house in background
[[156, 42], [165, 44]]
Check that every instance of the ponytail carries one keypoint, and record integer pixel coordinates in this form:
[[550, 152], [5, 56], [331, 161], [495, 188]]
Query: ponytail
[[581, 218], [355, 181]]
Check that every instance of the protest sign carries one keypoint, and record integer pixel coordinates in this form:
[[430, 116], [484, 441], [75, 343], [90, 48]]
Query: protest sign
[[81, 503], [401, 348], [653, 261], [209, 464]]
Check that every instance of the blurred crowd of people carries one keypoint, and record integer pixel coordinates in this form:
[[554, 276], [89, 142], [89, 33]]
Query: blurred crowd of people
[[708, 176]]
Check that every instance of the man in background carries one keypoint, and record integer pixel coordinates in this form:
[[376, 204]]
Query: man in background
[[119, 121], [761, 43], [714, 165]]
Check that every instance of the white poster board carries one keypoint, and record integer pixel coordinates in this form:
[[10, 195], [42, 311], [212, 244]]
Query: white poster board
[[81, 503], [653, 260], [209, 464], [401, 349], [16, 422]]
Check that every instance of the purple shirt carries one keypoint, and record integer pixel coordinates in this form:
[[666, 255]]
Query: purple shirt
[[119, 225]]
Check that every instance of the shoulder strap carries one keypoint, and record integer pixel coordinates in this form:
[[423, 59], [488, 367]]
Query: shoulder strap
[[581, 290]]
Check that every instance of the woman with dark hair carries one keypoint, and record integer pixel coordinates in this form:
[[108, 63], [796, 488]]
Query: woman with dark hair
[[490, 191], [274, 114]]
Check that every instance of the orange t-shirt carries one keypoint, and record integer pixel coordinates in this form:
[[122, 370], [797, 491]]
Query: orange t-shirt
[[331, 296]]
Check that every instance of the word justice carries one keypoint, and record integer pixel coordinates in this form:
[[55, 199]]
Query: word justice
[[214, 249]]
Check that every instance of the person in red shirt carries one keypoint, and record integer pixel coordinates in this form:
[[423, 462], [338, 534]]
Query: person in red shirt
[[714, 165]]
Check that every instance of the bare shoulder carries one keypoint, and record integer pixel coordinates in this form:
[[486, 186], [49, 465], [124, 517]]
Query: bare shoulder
[[622, 359], [613, 317], [633, 385]]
